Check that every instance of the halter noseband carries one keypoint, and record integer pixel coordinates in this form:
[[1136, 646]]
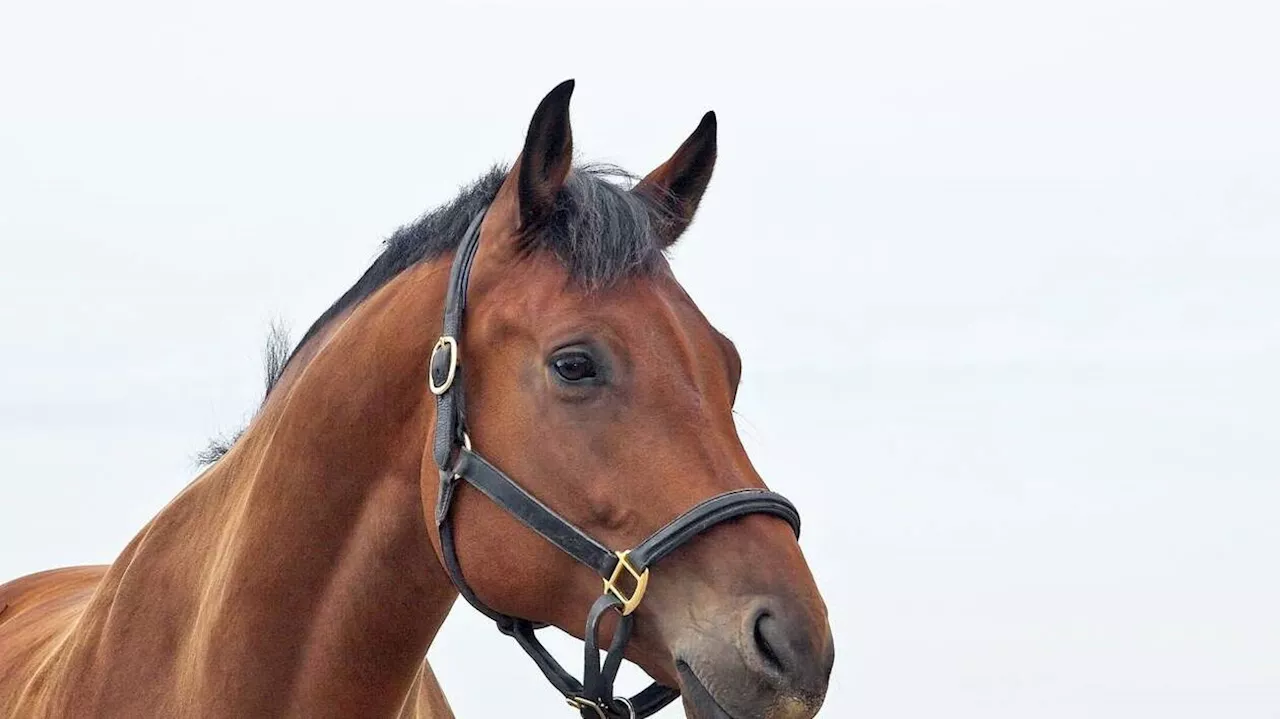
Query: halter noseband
[[593, 696]]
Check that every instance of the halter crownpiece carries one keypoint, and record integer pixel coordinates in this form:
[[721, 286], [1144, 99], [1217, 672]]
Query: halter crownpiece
[[625, 573]]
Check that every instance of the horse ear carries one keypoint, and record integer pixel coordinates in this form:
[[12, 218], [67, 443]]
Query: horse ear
[[547, 156], [676, 186]]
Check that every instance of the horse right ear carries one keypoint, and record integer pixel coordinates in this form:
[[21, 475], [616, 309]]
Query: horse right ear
[[676, 186], [544, 164]]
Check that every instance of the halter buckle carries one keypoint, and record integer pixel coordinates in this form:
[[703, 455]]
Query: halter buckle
[[629, 603], [581, 703], [438, 365]]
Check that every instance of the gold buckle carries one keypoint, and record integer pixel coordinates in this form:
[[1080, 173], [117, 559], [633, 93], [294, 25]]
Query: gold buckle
[[452, 345], [630, 603], [580, 703]]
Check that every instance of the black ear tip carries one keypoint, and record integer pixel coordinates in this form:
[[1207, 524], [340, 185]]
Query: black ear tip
[[707, 128], [562, 91], [554, 109], [555, 104]]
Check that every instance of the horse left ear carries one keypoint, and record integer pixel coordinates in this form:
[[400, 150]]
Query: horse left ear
[[676, 186], [544, 163]]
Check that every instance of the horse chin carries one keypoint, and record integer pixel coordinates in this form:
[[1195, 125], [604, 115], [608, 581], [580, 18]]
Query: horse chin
[[698, 700], [709, 702]]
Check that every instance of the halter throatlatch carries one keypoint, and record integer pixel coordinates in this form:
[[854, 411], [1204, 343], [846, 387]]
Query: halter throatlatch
[[625, 573]]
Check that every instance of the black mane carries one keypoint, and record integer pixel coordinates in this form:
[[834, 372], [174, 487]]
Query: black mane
[[598, 230]]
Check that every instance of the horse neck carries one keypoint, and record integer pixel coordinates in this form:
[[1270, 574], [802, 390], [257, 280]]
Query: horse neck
[[304, 553]]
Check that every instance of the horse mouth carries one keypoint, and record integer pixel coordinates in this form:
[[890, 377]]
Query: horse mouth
[[698, 696]]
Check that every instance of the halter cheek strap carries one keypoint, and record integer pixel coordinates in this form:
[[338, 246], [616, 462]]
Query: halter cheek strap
[[625, 573]]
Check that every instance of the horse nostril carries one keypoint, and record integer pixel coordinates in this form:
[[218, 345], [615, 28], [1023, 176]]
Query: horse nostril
[[765, 628], [784, 653]]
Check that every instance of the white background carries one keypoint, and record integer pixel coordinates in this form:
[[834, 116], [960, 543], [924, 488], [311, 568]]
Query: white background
[[1004, 277]]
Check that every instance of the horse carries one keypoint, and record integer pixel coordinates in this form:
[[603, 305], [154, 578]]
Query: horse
[[307, 570]]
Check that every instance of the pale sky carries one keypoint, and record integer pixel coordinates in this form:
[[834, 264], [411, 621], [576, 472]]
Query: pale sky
[[1003, 276]]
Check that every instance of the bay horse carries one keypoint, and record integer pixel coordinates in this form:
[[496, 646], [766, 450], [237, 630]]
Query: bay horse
[[307, 571]]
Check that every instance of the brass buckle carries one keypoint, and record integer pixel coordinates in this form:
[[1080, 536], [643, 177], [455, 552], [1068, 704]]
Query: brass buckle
[[630, 603], [445, 342], [581, 703]]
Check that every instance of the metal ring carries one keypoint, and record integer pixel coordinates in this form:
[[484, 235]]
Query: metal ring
[[466, 444], [631, 710]]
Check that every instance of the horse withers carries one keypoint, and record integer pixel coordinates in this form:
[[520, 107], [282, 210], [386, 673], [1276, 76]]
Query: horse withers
[[307, 571]]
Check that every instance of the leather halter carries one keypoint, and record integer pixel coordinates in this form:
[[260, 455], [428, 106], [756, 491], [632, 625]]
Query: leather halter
[[593, 696]]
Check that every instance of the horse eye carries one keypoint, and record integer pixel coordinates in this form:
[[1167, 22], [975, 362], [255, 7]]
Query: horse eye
[[575, 367]]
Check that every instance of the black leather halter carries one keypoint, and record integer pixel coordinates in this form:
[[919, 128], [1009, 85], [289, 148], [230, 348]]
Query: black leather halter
[[593, 696]]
